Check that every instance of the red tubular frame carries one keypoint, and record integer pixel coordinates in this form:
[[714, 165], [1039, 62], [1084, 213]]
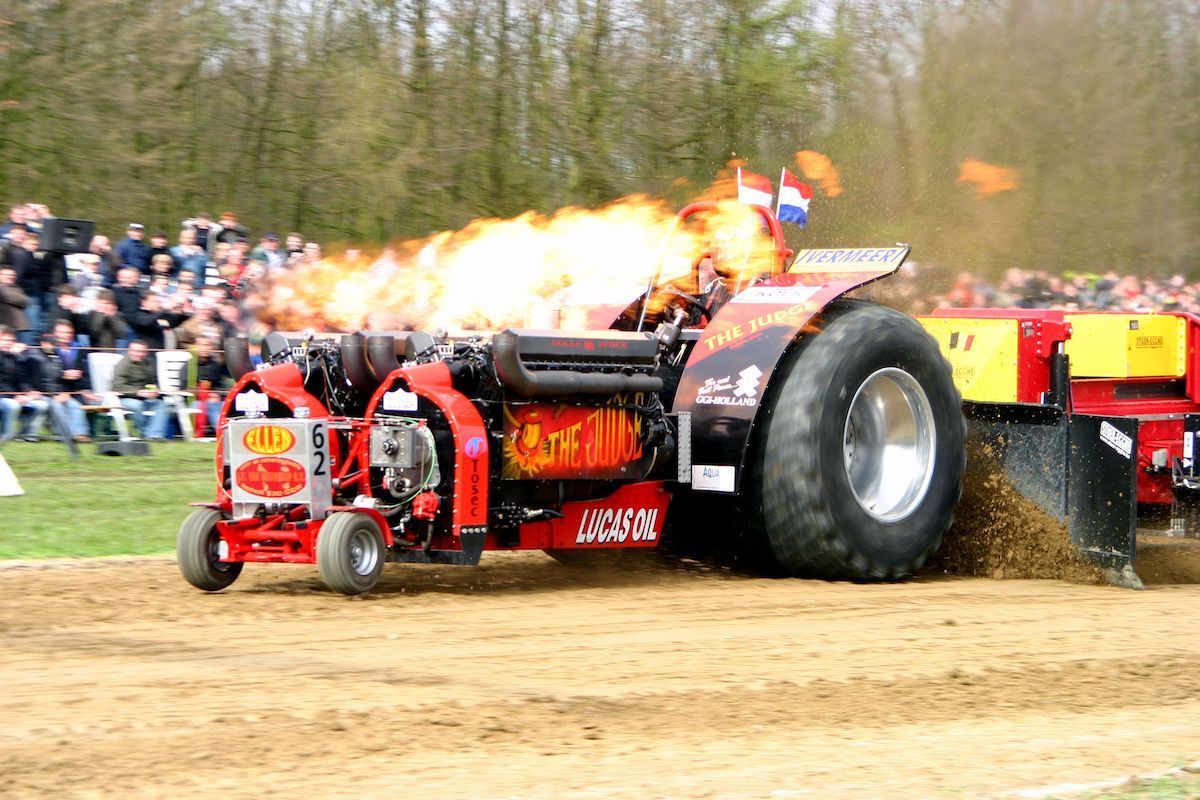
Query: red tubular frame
[[278, 539]]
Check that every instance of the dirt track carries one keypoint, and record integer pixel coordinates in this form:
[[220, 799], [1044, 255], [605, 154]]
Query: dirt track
[[524, 678]]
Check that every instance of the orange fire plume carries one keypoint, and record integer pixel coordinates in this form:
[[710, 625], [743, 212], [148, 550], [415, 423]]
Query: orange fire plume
[[820, 169], [496, 273], [988, 179]]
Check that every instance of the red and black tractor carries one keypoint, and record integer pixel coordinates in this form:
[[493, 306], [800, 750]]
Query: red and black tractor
[[762, 409]]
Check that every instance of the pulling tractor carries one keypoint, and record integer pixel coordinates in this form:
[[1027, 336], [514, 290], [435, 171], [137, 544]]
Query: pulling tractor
[[820, 432], [761, 408]]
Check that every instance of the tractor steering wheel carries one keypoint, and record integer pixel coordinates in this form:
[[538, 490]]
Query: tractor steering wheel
[[690, 302]]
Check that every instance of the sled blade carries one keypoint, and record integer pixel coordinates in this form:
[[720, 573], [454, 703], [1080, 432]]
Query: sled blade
[[1073, 468], [1102, 492]]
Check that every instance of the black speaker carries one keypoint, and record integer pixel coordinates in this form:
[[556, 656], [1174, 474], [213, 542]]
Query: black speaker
[[67, 235]]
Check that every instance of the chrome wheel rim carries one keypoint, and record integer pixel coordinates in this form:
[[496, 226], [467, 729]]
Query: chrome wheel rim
[[364, 553], [888, 445]]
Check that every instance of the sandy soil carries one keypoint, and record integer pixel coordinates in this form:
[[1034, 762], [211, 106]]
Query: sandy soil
[[526, 678]]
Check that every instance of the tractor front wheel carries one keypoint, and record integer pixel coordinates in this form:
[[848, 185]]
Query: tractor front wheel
[[350, 552], [861, 462], [198, 552]]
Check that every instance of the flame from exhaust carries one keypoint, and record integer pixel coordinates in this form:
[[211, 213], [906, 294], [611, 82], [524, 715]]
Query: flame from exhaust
[[496, 273], [988, 179], [820, 169]]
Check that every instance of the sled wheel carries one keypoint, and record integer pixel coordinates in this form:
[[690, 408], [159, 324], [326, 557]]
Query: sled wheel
[[862, 457], [197, 552], [350, 552]]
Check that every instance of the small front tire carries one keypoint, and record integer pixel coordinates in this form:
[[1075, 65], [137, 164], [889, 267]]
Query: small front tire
[[350, 552], [197, 552]]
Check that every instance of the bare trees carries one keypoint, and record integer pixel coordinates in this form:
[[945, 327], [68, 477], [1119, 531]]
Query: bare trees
[[380, 118]]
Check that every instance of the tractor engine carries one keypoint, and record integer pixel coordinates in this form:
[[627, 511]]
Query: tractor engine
[[441, 438], [567, 418]]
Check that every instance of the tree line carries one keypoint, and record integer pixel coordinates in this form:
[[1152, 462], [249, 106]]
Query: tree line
[[376, 119]]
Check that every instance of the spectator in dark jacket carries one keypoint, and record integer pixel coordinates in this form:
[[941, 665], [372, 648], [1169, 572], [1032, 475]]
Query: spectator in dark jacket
[[56, 379], [128, 293], [132, 251], [229, 231], [232, 321], [19, 387], [150, 324], [13, 301], [22, 259], [11, 244], [135, 380], [68, 306], [153, 321], [28, 267], [295, 248], [207, 377], [73, 357], [12, 381], [205, 230], [158, 247], [106, 328], [52, 272]]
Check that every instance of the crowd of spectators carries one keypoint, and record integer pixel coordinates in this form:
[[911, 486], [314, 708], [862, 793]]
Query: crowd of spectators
[[1108, 291], [136, 298]]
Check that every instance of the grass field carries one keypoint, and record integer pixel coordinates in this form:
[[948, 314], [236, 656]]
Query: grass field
[[101, 505]]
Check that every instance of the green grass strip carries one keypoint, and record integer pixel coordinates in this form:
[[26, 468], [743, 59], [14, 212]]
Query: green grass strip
[[101, 505]]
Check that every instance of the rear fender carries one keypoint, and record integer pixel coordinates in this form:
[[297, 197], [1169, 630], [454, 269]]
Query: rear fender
[[469, 515], [283, 383], [739, 352]]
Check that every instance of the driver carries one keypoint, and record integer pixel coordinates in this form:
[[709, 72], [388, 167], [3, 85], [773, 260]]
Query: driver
[[721, 271]]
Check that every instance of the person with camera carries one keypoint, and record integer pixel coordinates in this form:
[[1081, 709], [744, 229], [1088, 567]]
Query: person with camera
[[229, 230], [101, 248], [204, 229], [106, 328], [154, 319]]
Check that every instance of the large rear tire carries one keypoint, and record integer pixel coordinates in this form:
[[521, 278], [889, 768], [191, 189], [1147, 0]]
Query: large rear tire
[[350, 552], [860, 464], [197, 552]]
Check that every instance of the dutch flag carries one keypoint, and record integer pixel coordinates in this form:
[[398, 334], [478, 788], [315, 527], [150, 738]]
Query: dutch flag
[[754, 189], [794, 197]]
